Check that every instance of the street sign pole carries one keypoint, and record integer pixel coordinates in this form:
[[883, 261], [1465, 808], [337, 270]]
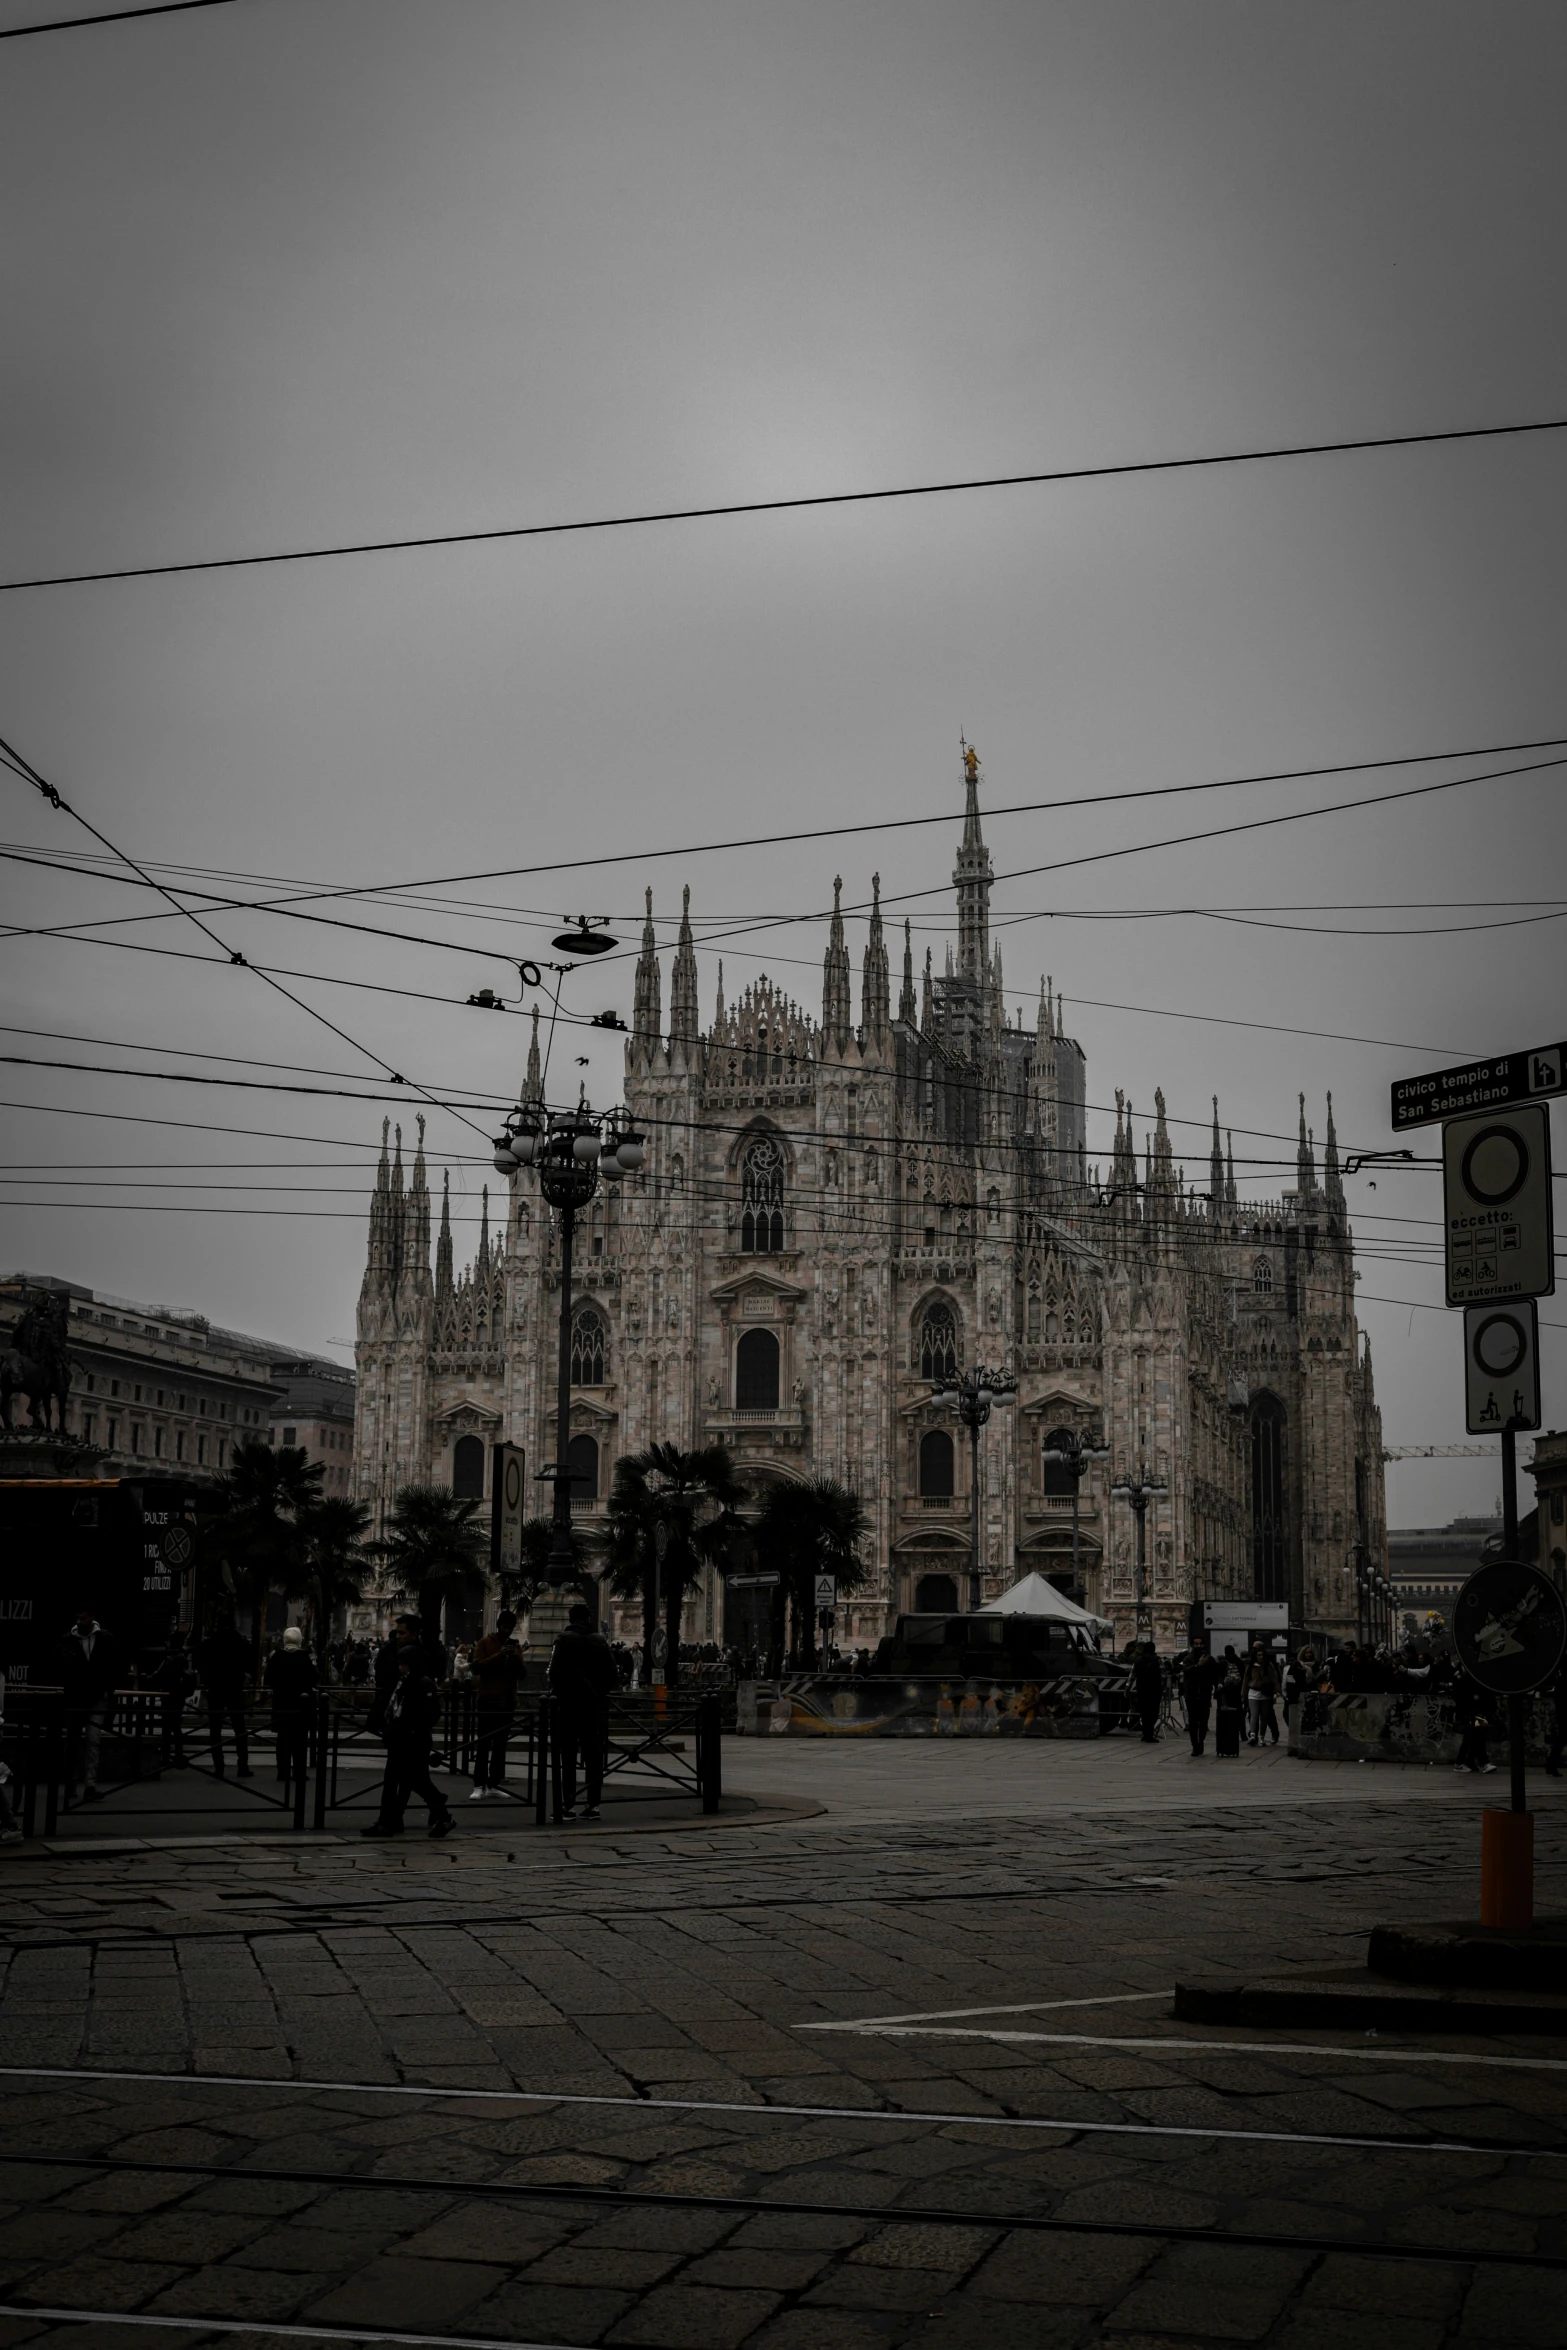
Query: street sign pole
[[1515, 1703]]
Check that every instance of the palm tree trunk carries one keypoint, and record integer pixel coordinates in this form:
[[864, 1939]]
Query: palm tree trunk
[[674, 1600], [649, 1618]]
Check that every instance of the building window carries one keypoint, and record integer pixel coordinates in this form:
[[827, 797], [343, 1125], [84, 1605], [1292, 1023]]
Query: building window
[[468, 1468], [1057, 1477], [761, 1198], [291, 1436], [222, 1451], [936, 1465], [201, 1450], [179, 1445], [135, 1439], [114, 1387], [582, 1459], [136, 1398], [1262, 1274], [86, 1427], [114, 1434], [157, 1444], [587, 1348], [1269, 1564], [756, 1372], [938, 1343]]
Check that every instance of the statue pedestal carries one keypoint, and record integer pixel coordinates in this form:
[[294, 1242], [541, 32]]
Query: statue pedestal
[[548, 1614], [28, 1452]]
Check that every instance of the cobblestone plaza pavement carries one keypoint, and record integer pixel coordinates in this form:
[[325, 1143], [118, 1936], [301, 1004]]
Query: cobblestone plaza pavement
[[902, 2072]]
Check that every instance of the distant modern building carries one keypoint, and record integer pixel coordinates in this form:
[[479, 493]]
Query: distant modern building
[[161, 1387], [1428, 1565]]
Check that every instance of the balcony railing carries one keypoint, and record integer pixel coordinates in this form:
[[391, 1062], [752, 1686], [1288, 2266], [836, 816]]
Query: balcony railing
[[938, 1501]]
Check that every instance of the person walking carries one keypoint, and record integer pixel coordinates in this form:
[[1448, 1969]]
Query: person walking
[[223, 1662], [1472, 1711], [1148, 1688], [407, 1726], [582, 1675], [291, 1680], [498, 1667], [90, 1667], [1262, 1689], [1228, 1706], [1197, 1684]]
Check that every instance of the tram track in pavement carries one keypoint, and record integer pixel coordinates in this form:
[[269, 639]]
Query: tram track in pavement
[[577, 2194]]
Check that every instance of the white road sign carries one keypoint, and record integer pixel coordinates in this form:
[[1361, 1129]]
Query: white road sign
[[1501, 1367], [826, 1594], [1496, 1182]]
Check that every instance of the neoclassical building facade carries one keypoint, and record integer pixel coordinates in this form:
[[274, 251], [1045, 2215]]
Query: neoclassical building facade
[[835, 1212]]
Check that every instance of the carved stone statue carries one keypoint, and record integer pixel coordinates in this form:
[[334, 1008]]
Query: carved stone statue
[[37, 1363]]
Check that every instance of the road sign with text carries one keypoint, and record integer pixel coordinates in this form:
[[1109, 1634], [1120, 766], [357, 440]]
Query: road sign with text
[[1496, 1196], [1494, 1084], [1501, 1367]]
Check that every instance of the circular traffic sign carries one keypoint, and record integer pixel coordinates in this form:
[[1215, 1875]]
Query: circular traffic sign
[[513, 1484], [1500, 1344], [177, 1546], [1495, 1167], [1509, 1627]]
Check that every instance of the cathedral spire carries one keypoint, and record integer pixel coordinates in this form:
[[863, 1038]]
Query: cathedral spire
[[533, 1082], [418, 1243], [443, 1245], [1229, 1169], [481, 1266], [875, 979], [683, 1015], [928, 1000], [836, 1004], [1305, 1164], [647, 1011], [1331, 1180], [397, 1213], [718, 1017], [908, 1009], [1215, 1168], [971, 878]]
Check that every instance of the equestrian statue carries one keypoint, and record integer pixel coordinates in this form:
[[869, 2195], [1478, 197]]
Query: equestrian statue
[[37, 1363]]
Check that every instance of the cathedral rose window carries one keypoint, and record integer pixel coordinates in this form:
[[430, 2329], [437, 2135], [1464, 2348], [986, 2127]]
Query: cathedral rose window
[[587, 1348], [761, 1198]]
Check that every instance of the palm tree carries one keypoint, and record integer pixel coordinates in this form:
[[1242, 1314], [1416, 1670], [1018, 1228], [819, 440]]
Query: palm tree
[[257, 1535], [805, 1530], [536, 1540], [665, 1487], [434, 1548], [338, 1560]]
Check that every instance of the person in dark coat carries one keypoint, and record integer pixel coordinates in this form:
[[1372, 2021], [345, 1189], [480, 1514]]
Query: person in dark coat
[[223, 1661], [408, 1722], [1197, 1681], [1229, 1703], [1148, 1685], [582, 1675], [291, 1684], [385, 1675], [91, 1667], [498, 1667], [1472, 1709]]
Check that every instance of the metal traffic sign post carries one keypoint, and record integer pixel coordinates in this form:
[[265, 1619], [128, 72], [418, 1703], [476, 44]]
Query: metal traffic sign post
[[826, 1603], [1510, 1630]]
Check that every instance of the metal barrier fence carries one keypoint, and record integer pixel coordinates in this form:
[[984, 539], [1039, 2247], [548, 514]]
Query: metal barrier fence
[[331, 1759]]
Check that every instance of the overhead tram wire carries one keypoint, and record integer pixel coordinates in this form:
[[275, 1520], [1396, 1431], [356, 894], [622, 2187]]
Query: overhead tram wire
[[1213, 460], [77, 24], [29, 774]]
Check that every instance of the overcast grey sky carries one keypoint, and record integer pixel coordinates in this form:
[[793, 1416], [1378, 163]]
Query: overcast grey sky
[[295, 271]]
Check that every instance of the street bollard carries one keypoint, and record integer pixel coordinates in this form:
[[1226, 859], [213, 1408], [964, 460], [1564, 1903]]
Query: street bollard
[[1507, 1869]]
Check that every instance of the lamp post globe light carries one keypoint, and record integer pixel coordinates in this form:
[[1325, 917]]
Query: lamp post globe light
[[570, 1151], [1073, 1449], [1139, 1491], [971, 1395]]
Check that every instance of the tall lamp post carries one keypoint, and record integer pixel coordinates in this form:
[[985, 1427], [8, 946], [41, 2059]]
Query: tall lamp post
[[1139, 1491], [971, 1395], [571, 1153], [1074, 1449]]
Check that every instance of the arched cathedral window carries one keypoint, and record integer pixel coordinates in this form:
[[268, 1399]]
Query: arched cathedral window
[[587, 1347], [1262, 1274], [938, 1343], [761, 1198]]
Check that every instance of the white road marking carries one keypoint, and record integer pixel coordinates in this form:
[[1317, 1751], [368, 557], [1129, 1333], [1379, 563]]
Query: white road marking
[[1381, 2054], [942, 2015], [235, 2325], [907, 2115]]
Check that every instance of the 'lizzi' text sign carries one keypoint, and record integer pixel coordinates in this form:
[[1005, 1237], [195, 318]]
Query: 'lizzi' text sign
[[1479, 1085]]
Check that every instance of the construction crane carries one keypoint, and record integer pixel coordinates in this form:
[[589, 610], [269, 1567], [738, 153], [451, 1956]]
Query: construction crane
[[1439, 1452]]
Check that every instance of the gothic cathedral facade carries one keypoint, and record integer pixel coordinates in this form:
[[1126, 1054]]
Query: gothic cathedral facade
[[832, 1215]]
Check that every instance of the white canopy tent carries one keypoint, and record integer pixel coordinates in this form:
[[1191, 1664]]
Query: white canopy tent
[[1035, 1597]]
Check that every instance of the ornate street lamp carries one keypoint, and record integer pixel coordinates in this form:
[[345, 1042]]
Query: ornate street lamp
[[1074, 1449], [971, 1395], [570, 1153], [1139, 1491]]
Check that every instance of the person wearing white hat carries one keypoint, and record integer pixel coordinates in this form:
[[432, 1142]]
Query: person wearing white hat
[[291, 1684]]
